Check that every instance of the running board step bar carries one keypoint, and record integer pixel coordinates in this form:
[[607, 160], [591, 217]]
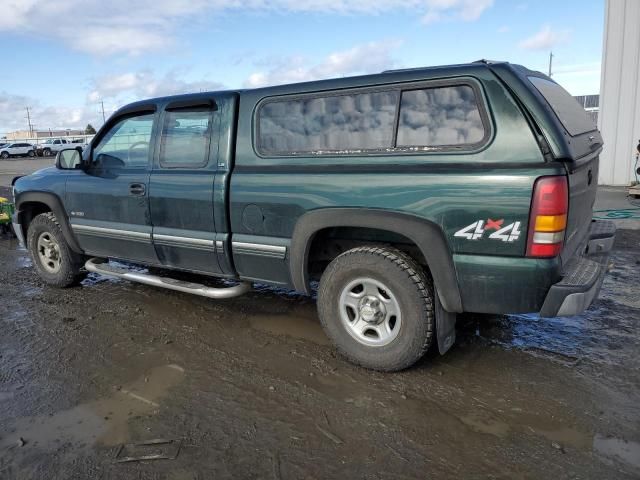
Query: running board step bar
[[101, 265]]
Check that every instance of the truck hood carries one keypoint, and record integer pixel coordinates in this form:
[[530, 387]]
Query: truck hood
[[48, 179]]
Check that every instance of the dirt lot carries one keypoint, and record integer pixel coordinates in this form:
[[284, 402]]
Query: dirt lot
[[251, 389]]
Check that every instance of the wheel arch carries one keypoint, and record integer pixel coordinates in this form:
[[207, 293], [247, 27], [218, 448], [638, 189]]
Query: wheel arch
[[426, 235], [30, 204]]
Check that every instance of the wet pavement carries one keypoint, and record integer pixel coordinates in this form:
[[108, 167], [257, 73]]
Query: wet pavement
[[251, 388]]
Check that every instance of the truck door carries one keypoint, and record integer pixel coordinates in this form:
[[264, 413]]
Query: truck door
[[108, 202], [181, 192]]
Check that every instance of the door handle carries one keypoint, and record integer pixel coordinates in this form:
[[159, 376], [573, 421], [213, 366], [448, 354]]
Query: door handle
[[137, 189]]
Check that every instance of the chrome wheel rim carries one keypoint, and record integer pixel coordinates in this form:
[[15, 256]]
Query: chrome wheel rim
[[370, 312], [49, 252]]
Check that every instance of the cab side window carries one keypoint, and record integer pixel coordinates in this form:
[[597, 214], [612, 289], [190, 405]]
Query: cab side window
[[186, 135], [126, 144]]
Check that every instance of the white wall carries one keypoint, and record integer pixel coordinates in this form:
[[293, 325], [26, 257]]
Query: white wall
[[619, 118]]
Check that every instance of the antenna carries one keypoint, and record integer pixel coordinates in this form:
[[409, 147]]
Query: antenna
[[550, 62], [103, 117]]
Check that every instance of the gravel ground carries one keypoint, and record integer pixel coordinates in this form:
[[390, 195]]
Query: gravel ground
[[250, 388]]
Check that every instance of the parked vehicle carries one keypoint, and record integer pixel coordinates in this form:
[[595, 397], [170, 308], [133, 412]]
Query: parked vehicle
[[406, 197], [53, 145], [80, 143], [18, 149]]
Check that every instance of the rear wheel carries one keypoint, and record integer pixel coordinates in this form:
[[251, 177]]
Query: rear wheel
[[55, 262], [30, 153], [376, 304]]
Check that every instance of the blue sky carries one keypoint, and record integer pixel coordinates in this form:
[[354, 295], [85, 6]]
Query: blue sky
[[68, 55]]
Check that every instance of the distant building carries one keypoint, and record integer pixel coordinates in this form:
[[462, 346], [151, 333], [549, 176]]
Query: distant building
[[591, 103], [26, 134]]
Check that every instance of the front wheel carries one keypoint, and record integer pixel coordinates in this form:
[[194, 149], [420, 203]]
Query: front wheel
[[46, 152], [55, 262], [4, 155], [377, 305]]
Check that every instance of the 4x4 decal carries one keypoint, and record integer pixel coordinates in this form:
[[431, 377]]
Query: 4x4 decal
[[476, 230]]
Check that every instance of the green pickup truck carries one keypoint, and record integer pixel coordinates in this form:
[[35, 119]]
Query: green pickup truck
[[401, 199]]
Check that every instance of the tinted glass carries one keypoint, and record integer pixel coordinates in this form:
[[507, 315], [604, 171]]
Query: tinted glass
[[126, 144], [185, 138], [570, 113], [433, 117], [362, 121]]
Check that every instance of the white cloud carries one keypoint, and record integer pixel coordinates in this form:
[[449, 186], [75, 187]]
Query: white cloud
[[97, 27], [579, 79], [115, 90], [545, 39], [578, 69], [133, 27], [504, 29], [130, 86], [466, 10], [366, 58], [13, 114]]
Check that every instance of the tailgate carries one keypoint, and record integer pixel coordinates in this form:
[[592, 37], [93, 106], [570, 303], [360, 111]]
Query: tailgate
[[583, 180]]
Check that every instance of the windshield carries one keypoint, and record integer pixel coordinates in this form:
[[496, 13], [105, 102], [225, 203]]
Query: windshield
[[570, 113]]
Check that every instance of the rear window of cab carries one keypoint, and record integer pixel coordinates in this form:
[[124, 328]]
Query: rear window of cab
[[438, 117]]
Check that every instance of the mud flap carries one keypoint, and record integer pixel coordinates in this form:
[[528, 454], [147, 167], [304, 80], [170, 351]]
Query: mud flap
[[445, 327]]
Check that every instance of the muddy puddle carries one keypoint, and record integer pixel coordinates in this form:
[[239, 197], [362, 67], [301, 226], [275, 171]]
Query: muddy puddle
[[266, 396], [300, 323], [102, 422]]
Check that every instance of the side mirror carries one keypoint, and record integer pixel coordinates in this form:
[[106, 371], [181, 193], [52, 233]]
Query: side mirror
[[68, 159]]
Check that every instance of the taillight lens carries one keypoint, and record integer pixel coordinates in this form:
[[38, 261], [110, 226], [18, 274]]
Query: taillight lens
[[548, 219]]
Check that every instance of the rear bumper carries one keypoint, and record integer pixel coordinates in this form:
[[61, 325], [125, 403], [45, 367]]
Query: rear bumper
[[582, 276]]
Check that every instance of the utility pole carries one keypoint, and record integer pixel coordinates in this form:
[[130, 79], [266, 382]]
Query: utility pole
[[29, 123], [550, 62], [104, 120]]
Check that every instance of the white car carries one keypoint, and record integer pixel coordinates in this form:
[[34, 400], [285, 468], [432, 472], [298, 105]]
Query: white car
[[54, 145], [17, 150]]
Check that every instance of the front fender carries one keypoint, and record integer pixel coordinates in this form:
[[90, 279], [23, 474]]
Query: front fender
[[425, 234], [53, 202]]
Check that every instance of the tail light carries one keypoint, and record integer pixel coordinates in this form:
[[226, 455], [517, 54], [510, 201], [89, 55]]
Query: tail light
[[548, 218]]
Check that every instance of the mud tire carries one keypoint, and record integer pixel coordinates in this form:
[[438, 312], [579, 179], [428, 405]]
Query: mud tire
[[71, 263], [413, 289]]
